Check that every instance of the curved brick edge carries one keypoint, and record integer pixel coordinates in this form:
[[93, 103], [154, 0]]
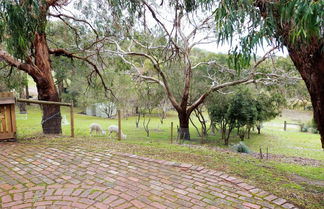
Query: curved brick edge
[[67, 196], [208, 184], [251, 191]]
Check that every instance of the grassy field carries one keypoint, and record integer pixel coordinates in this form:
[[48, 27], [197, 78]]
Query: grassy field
[[303, 185], [290, 142]]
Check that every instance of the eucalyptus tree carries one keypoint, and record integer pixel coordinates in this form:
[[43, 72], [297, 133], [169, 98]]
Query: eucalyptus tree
[[24, 45], [296, 24], [268, 105], [166, 51]]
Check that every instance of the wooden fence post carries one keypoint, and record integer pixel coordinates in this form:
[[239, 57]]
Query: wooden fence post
[[171, 132], [72, 119], [285, 125], [119, 125], [261, 155], [178, 140]]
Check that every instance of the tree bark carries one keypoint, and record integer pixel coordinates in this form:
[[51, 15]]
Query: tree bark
[[51, 122], [138, 119], [259, 129], [310, 64], [308, 58], [184, 132], [248, 132]]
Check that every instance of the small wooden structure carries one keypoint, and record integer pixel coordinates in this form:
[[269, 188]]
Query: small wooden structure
[[7, 116]]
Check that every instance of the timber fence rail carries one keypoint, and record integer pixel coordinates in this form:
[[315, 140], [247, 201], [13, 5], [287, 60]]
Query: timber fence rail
[[301, 125], [40, 102]]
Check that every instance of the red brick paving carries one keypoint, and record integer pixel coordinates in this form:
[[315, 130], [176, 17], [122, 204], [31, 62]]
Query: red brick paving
[[50, 177]]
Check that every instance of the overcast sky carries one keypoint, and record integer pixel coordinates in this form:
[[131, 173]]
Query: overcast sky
[[212, 47]]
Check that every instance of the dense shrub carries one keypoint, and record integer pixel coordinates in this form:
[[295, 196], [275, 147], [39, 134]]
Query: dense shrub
[[242, 148], [310, 126], [243, 110]]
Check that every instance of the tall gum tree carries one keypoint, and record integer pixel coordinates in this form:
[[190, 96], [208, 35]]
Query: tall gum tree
[[31, 36], [161, 50], [296, 24], [24, 45]]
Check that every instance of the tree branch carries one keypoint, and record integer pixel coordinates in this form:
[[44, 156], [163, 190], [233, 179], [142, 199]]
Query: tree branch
[[194, 31], [265, 56], [11, 61], [249, 79], [161, 24], [202, 98], [60, 16], [63, 52], [57, 2], [164, 83]]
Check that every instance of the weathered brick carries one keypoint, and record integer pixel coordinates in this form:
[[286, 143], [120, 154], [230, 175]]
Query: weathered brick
[[279, 201], [158, 205], [288, 205], [42, 203], [6, 187], [250, 205], [25, 205], [270, 197], [117, 202], [6, 199], [77, 178]]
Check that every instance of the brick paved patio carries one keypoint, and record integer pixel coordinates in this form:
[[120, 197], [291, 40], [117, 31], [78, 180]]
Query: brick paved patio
[[51, 177]]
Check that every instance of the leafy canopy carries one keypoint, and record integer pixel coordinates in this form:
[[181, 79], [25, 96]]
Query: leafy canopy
[[254, 23], [19, 20]]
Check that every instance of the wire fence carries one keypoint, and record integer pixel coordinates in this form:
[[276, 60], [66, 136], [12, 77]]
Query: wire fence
[[32, 123]]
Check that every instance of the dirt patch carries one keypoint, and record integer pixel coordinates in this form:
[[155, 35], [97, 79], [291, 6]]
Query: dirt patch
[[276, 157], [300, 179], [293, 160]]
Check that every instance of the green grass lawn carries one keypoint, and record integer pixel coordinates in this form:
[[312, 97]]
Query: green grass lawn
[[290, 142], [273, 176]]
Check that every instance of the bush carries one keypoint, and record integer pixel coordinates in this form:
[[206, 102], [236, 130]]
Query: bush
[[242, 148], [304, 128], [313, 130], [310, 126]]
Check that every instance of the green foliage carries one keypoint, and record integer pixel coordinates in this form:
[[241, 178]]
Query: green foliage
[[242, 148], [148, 97], [218, 106], [109, 16], [268, 106], [242, 110], [230, 111], [303, 129], [260, 22], [12, 80], [310, 126], [19, 20]]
